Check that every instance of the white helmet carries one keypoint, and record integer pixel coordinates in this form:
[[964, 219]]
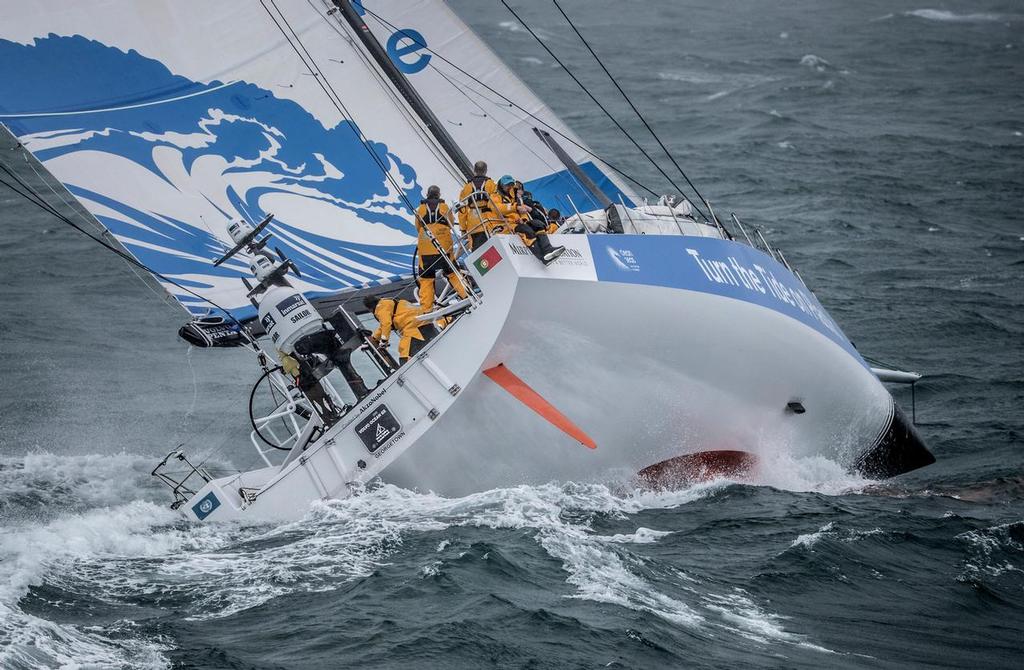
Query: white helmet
[[262, 267], [238, 230]]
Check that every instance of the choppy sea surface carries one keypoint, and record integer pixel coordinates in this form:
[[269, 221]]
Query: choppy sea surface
[[880, 144]]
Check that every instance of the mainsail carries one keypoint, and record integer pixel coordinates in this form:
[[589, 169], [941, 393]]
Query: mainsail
[[167, 119]]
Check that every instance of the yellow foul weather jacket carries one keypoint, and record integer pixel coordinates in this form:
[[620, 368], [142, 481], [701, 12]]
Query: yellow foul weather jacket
[[400, 316], [434, 215], [477, 214]]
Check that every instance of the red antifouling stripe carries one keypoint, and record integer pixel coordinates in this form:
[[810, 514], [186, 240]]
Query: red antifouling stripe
[[504, 378]]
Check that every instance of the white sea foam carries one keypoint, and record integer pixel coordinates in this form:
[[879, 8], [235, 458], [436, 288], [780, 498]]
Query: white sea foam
[[810, 539], [815, 62], [988, 551], [945, 15], [121, 550], [32, 552], [52, 483], [515, 27], [754, 623], [830, 530], [86, 511], [806, 474], [701, 77], [641, 536]]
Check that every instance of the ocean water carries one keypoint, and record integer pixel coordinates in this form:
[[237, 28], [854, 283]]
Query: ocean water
[[880, 144]]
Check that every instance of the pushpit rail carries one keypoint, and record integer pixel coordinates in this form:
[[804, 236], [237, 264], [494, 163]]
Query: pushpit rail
[[184, 483]]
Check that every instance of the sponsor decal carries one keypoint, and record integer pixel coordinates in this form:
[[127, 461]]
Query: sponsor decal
[[404, 47], [375, 397], [569, 257], [206, 506], [572, 257], [378, 429], [488, 260], [717, 267], [395, 440], [757, 278], [300, 316], [268, 322], [290, 304], [623, 259]]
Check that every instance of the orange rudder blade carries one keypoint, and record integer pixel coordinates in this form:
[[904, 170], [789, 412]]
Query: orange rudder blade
[[504, 378]]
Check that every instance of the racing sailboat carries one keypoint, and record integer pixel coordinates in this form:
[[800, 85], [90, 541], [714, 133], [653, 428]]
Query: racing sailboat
[[661, 336]]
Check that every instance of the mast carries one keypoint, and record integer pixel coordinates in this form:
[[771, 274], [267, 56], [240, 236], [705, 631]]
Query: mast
[[418, 105]]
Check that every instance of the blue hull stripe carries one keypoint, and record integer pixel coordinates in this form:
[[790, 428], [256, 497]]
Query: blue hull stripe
[[715, 266]]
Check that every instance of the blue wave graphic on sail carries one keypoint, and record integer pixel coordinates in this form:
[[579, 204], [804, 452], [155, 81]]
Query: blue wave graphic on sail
[[165, 162]]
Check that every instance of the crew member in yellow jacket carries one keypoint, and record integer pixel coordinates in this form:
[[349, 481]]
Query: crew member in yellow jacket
[[434, 219], [477, 216], [516, 214], [554, 221], [400, 316]]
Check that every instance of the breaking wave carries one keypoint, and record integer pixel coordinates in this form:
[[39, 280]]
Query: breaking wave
[[94, 528]]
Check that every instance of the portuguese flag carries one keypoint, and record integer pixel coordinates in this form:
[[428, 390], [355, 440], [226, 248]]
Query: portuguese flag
[[490, 258]]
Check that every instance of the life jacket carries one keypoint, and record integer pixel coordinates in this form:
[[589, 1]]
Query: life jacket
[[477, 213], [433, 213], [479, 195]]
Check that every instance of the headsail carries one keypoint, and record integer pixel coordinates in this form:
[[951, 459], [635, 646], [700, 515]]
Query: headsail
[[168, 118], [457, 74]]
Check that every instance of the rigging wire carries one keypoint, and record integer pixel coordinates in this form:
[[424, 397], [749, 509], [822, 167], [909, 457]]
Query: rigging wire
[[22, 188], [597, 102], [164, 297], [333, 96], [630, 102], [514, 104], [27, 192], [386, 87], [511, 135]]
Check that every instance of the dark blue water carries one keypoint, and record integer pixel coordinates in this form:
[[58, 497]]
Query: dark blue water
[[881, 145]]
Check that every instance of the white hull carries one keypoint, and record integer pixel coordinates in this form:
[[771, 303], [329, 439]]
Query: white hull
[[647, 351]]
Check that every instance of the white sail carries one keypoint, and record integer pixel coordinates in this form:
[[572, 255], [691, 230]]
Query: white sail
[[469, 88], [168, 118]]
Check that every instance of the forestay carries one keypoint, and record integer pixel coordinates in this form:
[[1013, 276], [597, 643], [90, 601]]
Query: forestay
[[461, 78]]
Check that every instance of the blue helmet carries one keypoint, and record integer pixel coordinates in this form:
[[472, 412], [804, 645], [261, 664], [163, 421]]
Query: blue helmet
[[506, 180]]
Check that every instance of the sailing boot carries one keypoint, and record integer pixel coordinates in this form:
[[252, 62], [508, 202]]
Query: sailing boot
[[551, 256], [532, 241], [548, 253]]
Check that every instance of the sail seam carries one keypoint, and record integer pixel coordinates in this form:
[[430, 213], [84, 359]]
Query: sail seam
[[153, 103]]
